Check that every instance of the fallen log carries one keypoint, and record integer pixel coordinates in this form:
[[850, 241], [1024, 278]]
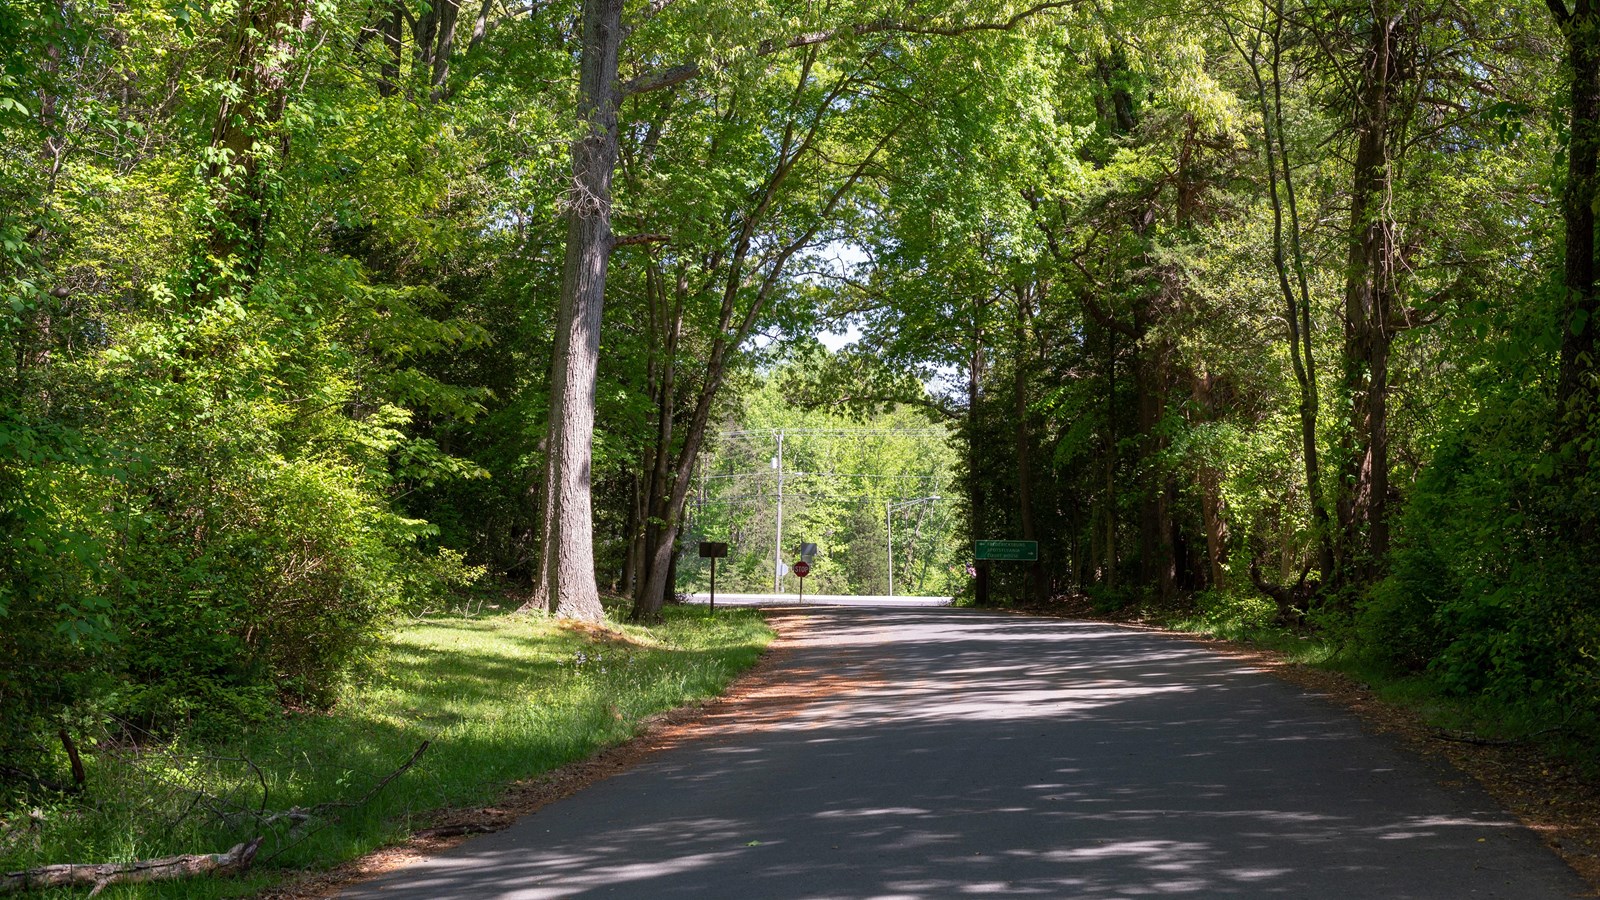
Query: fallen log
[[103, 874]]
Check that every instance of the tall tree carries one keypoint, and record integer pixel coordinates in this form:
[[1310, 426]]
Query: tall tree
[[572, 587], [1578, 385], [569, 532], [1261, 46]]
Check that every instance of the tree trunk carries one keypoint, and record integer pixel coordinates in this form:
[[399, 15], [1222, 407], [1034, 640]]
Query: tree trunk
[[1216, 529], [731, 334], [571, 580], [975, 496], [668, 328], [449, 11], [1363, 538], [540, 600], [247, 119], [1289, 264], [480, 25], [1110, 545], [1156, 561], [392, 29], [423, 32], [1576, 384], [660, 563], [1211, 492], [1024, 438], [632, 534]]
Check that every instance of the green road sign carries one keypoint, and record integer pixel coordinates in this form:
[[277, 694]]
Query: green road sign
[[1024, 551]]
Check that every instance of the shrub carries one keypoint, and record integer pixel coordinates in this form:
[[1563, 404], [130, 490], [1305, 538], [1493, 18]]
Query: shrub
[[1229, 610], [1496, 577]]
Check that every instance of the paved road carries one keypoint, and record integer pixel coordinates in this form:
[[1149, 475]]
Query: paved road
[[820, 599], [952, 753]]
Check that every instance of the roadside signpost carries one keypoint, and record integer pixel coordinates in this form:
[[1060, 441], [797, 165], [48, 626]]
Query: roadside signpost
[[713, 550], [1013, 551], [1006, 551], [801, 570]]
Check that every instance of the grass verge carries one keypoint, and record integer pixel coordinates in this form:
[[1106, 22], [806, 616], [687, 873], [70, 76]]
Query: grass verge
[[499, 698], [1413, 691]]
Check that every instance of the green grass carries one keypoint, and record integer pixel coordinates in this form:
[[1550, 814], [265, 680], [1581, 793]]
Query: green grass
[[1481, 716], [501, 698]]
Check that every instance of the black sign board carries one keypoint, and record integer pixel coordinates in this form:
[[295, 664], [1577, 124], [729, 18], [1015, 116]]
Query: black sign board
[[713, 550]]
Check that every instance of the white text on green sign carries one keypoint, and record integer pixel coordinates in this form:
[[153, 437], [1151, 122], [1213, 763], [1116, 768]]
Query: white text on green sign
[[1024, 551]]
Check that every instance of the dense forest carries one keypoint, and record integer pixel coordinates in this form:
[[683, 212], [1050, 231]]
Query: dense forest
[[314, 310]]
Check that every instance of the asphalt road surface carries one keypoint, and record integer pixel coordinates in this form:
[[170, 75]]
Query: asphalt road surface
[[953, 753]]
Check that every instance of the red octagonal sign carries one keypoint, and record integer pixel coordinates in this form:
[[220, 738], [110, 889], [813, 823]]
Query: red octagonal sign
[[802, 569]]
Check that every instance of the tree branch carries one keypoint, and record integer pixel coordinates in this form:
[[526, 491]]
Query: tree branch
[[101, 875], [634, 239], [676, 75]]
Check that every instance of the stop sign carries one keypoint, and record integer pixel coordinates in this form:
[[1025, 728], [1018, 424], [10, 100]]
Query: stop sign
[[802, 569]]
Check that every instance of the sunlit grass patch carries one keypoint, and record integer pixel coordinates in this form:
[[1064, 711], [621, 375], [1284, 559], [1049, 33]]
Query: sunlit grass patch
[[499, 698]]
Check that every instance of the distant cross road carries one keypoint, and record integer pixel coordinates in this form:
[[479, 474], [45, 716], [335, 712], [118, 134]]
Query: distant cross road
[[819, 600]]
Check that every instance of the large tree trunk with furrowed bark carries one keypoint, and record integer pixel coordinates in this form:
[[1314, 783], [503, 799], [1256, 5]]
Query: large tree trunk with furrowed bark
[[571, 578]]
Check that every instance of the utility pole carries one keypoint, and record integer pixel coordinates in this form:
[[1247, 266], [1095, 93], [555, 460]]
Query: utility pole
[[889, 506], [777, 537], [888, 525]]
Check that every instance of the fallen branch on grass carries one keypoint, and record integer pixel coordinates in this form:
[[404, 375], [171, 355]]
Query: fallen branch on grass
[[300, 815], [102, 874], [303, 817], [1465, 737], [384, 781], [170, 868]]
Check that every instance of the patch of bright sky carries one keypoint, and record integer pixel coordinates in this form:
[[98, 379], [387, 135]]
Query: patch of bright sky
[[835, 260], [835, 340], [840, 258]]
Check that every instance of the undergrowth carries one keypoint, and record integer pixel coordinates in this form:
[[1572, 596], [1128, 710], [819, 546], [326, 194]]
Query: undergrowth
[[1330, 647]]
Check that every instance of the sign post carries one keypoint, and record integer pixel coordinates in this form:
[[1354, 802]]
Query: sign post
[[801, 570], [1008, 551], [713, 550]]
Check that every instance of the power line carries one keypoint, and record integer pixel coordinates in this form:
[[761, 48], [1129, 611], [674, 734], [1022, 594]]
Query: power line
[[768, 498], [787, 474], [764, 431]]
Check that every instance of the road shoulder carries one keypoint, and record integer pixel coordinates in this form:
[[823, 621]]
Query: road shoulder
[[764, 687]]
